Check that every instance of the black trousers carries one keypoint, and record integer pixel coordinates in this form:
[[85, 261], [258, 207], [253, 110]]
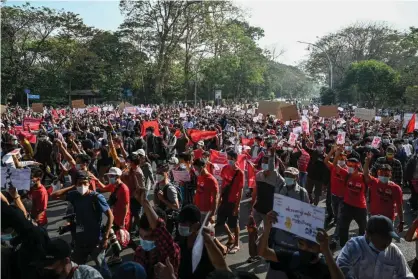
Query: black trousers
[[348, 214], [328, 201]]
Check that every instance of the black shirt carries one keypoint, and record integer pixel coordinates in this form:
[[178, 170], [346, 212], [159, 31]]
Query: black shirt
[[297, 269], [185, 270]]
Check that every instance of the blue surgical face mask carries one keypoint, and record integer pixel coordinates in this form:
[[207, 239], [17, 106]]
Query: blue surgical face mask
[[184, 231], [383, 179], [78, 166], [289, 181], [147, 245], [350, 170], [112, 180], [231, 163], [348, 148], [265, 166]]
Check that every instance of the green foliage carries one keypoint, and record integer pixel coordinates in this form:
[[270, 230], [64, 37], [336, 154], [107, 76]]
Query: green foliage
[[373, 80], [163, 51], [327, 96], [367, 42]]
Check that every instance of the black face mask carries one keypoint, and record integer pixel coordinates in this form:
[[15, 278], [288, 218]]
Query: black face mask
[[307, 257]]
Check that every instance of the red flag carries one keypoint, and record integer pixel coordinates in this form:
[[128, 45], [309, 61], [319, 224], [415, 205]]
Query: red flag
[[197, 135], [251, 175], [30, 137], [411, 125], [177, 133], [152, 123], [248, 142], [217, 157]]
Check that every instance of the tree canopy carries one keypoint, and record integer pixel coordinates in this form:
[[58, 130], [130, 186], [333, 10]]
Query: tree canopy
[[163, 51]]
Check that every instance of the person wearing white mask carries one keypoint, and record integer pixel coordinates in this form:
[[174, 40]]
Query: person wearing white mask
[[166, 195], [89, 207], [283, 240]]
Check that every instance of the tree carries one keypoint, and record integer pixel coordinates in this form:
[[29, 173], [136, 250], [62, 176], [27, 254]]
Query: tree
[[373, 80]]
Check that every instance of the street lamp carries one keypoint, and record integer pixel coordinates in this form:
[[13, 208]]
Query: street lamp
[[329, 60]]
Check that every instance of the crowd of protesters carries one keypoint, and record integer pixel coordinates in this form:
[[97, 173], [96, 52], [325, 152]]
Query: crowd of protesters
[[228, 153]]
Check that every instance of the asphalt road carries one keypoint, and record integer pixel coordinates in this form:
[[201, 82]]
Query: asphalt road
[[56, 210]]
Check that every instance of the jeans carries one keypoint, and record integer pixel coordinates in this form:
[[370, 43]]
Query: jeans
[[337, 204], [348, 214], [302, 178]]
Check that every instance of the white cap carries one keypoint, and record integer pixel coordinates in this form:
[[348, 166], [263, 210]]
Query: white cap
[[173, 161], [200, 142], [139, 152], [114, 171]]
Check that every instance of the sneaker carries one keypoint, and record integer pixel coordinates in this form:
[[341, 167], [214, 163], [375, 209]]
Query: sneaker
[[253, 259]]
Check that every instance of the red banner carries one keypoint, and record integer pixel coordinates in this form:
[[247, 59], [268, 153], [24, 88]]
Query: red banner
[[147, 124], [197, 135], [251, 175], [217, 157], [33, 123], [30, 137], [247, 142]]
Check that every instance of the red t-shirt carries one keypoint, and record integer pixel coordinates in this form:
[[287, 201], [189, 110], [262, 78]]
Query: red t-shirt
[[384, 198], [198, 153], [118, 209], [206, 191], [210, 167], [39, 198], [227, 174], [337, 181], [355, 192]]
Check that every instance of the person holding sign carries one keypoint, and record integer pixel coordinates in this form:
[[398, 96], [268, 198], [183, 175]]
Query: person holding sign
[[385, 195], [307, 262]]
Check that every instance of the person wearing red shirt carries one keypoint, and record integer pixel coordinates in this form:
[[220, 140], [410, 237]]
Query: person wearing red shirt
[[385, 195], [209, 166], [206, 197], [229, 204], [198, 153], [354, 204], [337, 186], [39, 197], [119, 201]]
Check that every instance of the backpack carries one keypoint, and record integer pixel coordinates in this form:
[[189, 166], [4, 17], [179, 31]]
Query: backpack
[[179, 194]]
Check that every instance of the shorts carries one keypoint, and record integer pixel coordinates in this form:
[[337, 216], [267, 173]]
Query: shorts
[[135, 207], [225, 215]]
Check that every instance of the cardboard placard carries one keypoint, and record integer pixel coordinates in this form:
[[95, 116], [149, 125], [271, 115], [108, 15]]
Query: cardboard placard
[[289, 113], [38, 107], [376, 142], [78, 104], [124, 105], [3, 109], [328, 111], [292, 139], [272, 108], [341, 137], [365, 114]]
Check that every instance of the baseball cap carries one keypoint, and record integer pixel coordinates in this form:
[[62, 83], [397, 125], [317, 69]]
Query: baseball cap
[[201, 143], [381, 225], [140, 152], [57, 249], [130, 270], [292, 171], [114, 171], [173, 161], [190, 214], [81, 175]]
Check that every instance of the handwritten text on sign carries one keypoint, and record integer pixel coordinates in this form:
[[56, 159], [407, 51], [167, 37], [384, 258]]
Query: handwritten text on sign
[[181, 176], [18, 178], [297, 217]]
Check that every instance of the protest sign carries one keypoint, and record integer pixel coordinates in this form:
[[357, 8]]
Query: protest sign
[[305, 125], [289, 113], [154, 124], [197, 249], [124, 105], [38, 107], [341, 137], [378, 118], [298, 217], [131, 110], [34, 123], [3, 109], [305, 112], [18, 178], [365, 114], [328, 111], [376, 142], [183, 115], [271, 108], [78, 104], [292, 139], [182, 175], [297, 130]]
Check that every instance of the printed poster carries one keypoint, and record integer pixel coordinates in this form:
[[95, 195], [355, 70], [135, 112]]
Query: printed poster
[[297, 217]]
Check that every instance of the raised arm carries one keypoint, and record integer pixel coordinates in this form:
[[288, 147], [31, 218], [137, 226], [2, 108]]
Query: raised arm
[[65, 153]]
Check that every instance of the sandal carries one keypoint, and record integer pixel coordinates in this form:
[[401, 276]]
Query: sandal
[[233, 250]]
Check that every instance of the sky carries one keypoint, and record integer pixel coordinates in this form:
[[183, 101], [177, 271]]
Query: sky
[[284, 22]]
